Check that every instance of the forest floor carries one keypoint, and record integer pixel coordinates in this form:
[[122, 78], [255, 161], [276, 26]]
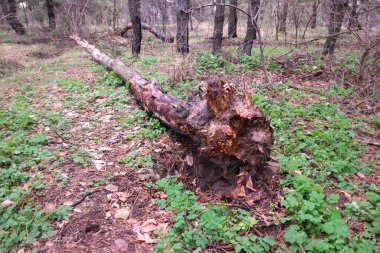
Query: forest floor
[[82, 165]]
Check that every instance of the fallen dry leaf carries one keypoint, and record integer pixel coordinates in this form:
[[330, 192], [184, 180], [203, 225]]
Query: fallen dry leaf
[[360, 175], [190, 160], [122, 213], [111, 187], [6, 203], [145, 237], [50, 207], [99, 164], [121, 245], [149, 226], [105, 149], [122, 196], [77, 210]]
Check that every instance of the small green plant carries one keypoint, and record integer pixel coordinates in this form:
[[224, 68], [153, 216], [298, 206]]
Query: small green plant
[[208, 61], [72, 84], [22, 222], [110, 79], [80, 156], [196, 226], [149, 60], [317, 153], [376, 120], [102, 181], [55, 119], [134, 160], [181, 90]]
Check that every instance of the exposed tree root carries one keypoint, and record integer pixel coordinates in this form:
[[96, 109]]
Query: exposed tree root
[[233, 138]]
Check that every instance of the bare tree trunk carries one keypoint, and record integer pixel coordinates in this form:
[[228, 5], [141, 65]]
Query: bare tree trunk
[[162, 36], [337, 12], [51, 14], [135, 13], [10, 11], [183, 26], [353, 20], [251, 34], [232, 20], [314, 14], [278, 17], [225, 127], [284, 16], [162, 5], [218, 26]]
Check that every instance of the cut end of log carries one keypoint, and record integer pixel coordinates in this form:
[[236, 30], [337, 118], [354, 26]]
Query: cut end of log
[[237, 128]]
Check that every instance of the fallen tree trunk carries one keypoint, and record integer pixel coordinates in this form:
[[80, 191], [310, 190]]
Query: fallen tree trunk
[[227, 128], [155, 31]]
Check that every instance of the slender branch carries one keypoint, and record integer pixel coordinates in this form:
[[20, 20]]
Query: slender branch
[[216, 4], [319, 38], [3, 17]]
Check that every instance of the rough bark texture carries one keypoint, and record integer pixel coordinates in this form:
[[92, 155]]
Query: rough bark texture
[[135, 13], [313, 21], [162, 5], [284, 16], [230, 132], [51, 14], [218, 27], [232, 20], [251, 34], [156, 32], [353, 20], [183, 26], [337, 12], [10, 11]]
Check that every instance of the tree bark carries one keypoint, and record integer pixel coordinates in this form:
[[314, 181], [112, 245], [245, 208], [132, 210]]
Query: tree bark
[[232, 20], [337, 12], [218, 27], [251, 34], [224, 126], [162, 5], [155, 31], [10, 12], [183, 26], [134, 7], [353, 20], [284, 16], [313, 21], [51, 14]]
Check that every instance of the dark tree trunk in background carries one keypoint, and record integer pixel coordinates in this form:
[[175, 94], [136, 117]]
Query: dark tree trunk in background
[[51, 14], [251, 34], [163, 6], [135, 13], [10, 11], [232, 20], [313, 21], [284, 16], [353, 20], [218, 27], [337, 12], [183, 26]]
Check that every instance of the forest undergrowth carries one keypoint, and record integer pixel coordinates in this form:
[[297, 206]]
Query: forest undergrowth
[[71, 130]]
